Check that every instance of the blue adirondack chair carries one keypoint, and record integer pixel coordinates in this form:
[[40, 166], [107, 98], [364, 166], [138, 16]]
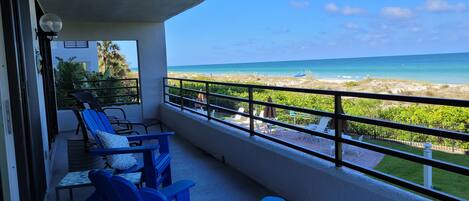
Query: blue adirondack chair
[[115, 188], [155, 167]]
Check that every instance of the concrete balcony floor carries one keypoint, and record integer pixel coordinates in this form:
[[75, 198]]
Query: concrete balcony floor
[[214, 180]]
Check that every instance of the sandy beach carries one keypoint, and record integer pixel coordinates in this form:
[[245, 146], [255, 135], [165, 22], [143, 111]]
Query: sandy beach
[[374, 85]]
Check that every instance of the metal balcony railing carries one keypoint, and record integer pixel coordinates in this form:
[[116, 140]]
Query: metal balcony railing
[[179, 99], [108, 92]]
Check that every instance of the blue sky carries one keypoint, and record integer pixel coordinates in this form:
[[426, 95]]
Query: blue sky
[[275, 30], [129, 49]]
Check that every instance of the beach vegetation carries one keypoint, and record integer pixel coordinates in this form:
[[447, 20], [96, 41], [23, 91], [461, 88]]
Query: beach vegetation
[[351, 84], [442, 117]]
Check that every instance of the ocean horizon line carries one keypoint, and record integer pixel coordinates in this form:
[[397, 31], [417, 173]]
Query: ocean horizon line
[[320, 59]]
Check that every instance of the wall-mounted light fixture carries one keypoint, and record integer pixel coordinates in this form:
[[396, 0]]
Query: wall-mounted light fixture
[[51, 25]]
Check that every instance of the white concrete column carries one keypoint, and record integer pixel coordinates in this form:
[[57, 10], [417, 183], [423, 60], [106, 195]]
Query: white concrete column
[[427, 170]]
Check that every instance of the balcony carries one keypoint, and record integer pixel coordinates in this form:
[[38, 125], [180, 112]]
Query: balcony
[[292, 167], [250, 160], [188, 162], [229, 153]]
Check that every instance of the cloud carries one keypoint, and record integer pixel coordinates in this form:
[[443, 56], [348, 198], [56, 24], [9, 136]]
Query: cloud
[[347, 10], [352, 11], [415, 29], [331, 7], [444, 6], [279, 30], [396, 13], [374, 39], [351, 25], [300, 4]]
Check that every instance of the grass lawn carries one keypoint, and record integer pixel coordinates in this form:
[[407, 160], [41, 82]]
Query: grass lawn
[[445, 181]]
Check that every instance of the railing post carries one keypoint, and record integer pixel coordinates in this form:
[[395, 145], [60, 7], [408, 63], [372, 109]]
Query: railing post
[[251, 112], [138, 90], [207, 100], [164, 90], [338, 129], [181, 95], [427, 169]]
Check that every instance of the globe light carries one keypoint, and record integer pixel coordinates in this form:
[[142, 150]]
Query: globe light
[[50, 23]]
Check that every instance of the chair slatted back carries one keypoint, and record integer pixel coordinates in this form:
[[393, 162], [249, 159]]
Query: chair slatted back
[[86, 97], [322, 125], [95, 122], [128, 191], [102, 182], [105, 122]]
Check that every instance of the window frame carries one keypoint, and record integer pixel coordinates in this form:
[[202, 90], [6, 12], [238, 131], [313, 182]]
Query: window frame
[[75, 44]]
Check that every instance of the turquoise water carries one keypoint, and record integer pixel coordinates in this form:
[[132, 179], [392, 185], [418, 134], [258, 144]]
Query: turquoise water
[[134, 69], [437, 68]]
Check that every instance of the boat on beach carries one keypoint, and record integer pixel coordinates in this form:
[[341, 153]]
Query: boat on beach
[[299, 74]]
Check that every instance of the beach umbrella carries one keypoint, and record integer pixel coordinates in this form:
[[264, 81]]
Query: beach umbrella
[[270, 112], [200, 98]]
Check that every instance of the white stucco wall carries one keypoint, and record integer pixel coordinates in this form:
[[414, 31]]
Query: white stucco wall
[[290, 173], [151, 44], [68, 122]]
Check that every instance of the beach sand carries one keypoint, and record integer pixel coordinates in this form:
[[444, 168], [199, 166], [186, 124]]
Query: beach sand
[[373, 85]]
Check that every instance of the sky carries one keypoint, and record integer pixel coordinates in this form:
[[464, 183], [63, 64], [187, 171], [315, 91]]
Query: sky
[[129, 49], [219, 31]]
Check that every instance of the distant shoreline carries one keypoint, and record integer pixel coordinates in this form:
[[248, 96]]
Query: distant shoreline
[[373, 85], [339, 79]]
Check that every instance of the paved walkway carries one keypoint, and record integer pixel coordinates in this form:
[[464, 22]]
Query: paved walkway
[[356, 155], [214, 180]]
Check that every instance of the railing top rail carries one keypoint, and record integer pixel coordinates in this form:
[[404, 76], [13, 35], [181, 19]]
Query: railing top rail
[[108, 80], [390, 97]]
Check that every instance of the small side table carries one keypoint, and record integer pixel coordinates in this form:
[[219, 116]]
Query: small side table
[[80, 179]]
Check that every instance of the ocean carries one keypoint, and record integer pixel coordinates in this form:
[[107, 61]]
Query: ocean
[[436, 68]]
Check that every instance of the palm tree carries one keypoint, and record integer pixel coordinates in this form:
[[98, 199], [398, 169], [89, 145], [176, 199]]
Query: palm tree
[[112, 65], [111, 62]]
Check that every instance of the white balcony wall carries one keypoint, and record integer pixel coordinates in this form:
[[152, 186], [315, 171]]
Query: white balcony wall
[[151, 44], [292, 174], [68, 122]]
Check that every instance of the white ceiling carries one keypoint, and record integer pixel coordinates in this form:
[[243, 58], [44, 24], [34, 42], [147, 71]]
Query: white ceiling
[[117, 10]]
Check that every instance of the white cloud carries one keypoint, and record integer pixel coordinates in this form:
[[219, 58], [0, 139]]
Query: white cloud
[[374, 39], [352, 11], [351, 25], [396, 13], [415, 29], [347, 10], [331, 7], [443, 6], [299, 4]]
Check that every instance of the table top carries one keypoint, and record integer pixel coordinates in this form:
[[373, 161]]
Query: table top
[[79, 179]]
